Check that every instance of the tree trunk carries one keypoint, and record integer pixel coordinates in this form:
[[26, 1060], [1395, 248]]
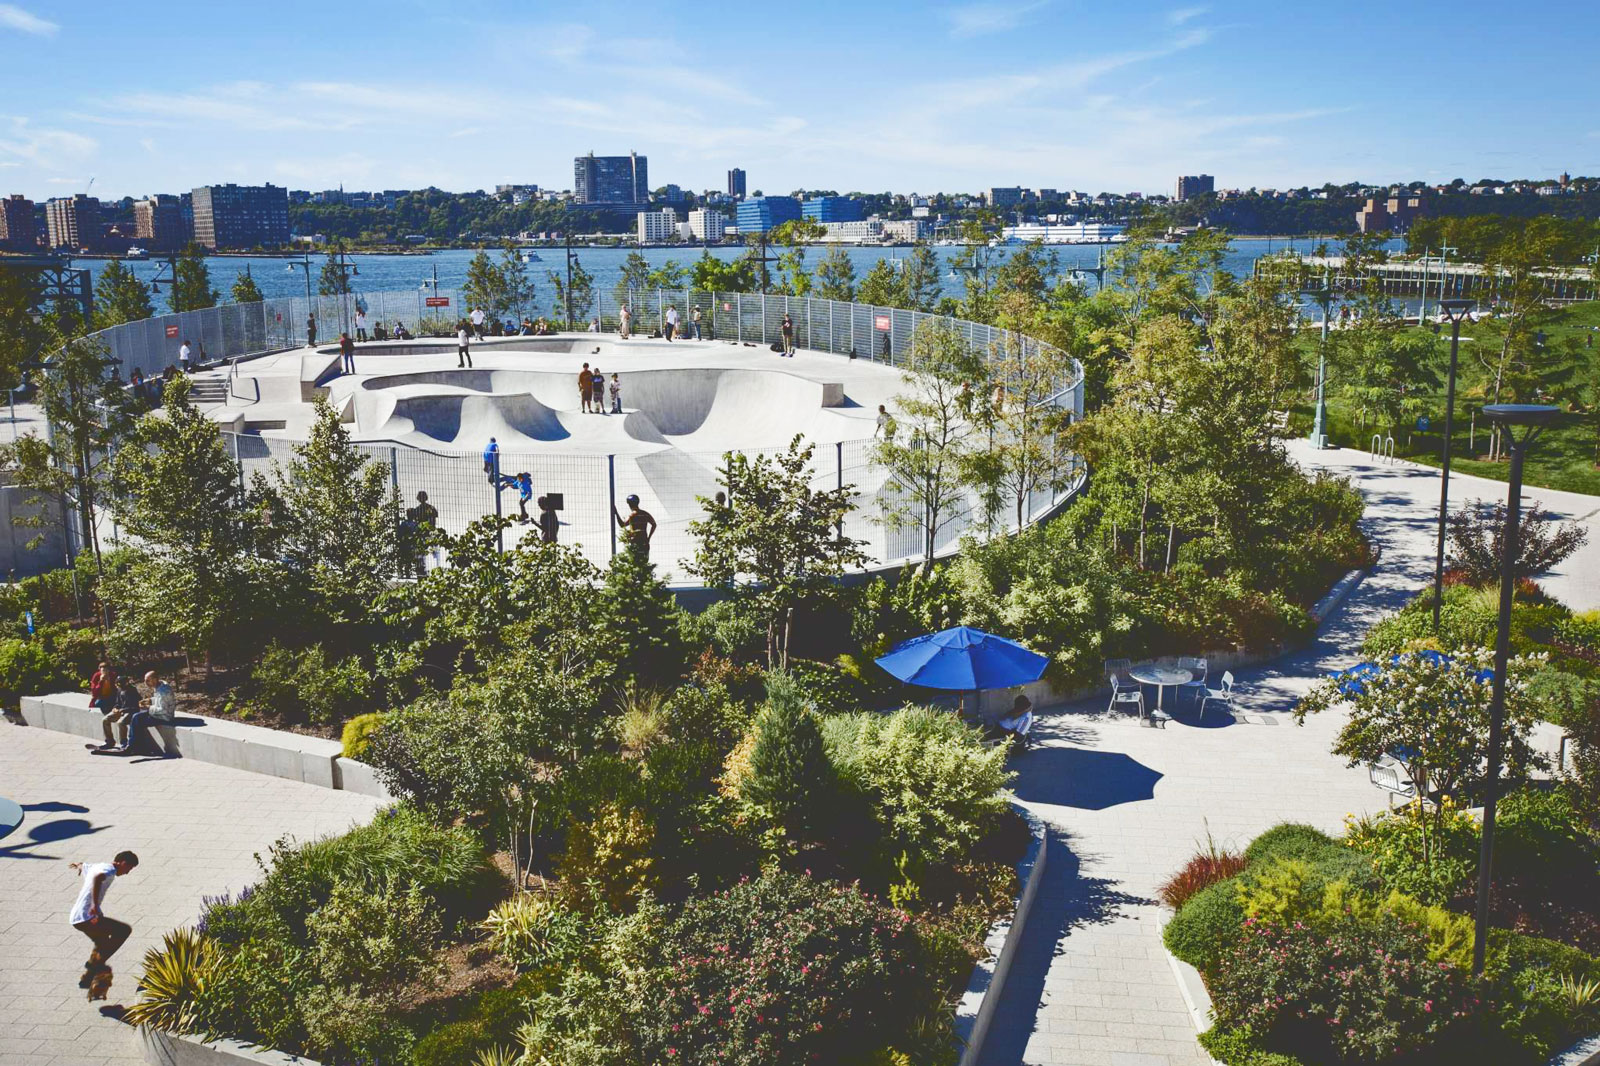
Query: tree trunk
[[1171, 531], [1144, 511]]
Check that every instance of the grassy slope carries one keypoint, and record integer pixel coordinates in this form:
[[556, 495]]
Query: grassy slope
[[1564, 458]]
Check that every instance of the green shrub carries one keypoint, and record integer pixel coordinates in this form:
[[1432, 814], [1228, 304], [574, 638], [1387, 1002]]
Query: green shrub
[[1431, 855], [1532, 1002], [1290, 840], [1563, 697], [378, 940], [1358, 988], [608, 857], [1206, 927], [305, 685], [345, 1025], [1540, 836], [493, 1021], [531, 932], [455, 1044], [1239, 1047], [934, 789], [29, 668], [357, 735], [780, 970], [790, 783]]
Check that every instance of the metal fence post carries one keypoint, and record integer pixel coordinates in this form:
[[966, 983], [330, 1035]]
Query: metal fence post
[[611, 481], [494, 483], [738, 316]]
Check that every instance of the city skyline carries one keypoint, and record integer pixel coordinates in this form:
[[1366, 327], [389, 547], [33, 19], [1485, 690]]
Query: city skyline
[[902, 98]]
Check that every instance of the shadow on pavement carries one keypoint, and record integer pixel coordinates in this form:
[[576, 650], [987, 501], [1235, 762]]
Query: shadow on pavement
[[1086, 779], [50, 833]]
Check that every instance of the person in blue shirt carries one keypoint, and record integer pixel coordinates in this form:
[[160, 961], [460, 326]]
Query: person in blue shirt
[[491, 460], [524, 493]]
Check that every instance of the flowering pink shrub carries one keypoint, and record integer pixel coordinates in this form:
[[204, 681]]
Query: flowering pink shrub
[[781, 970], [1364, 991]]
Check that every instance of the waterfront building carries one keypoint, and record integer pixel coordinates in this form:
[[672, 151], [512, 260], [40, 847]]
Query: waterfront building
[[1195, 185], [736, 183], [907, 230], [158, 223], [240, 216], [611, 179], [707, 225], [857, 231], [18, 230], [657, 226], [1009, 196], [1063, 233], [73, 222], [831, 209], [760, 213], [1396, 213]]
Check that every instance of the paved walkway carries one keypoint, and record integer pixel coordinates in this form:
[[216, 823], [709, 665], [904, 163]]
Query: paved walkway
[[1128, 805], [196, 829]]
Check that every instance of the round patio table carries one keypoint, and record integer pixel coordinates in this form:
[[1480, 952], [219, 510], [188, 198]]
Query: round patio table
[[10, 815], [1161, 677]]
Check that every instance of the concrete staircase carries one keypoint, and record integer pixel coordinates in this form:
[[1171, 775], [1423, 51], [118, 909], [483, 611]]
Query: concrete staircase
[[208, 392]]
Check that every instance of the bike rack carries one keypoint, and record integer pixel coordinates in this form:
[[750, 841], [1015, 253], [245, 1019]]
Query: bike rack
[[1381, 448]]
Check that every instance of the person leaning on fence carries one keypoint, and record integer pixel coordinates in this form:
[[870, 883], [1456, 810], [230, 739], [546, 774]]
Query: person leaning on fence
[[788, 336], [491, 460], [419, 531], [311, 331], [637, 529], [694, 320]]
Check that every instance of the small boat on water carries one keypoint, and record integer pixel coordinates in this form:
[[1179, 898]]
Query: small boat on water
[[136, 252], [530, 257]]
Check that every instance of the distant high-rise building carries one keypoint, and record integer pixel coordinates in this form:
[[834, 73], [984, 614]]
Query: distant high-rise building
[[736, 183], [760, 213], [17, 227], [1003, 197], [611, 179], [158, 223], [1195, 185], [672, 194], [240, 216], [655, 226], [831, 209], [1397, 213], [73, 221], [705, 225]]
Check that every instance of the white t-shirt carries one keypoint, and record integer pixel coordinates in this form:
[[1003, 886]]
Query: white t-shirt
[[672, 316], [80, 909], [477, 316], [183, 353], [461, 337], [361, 320]]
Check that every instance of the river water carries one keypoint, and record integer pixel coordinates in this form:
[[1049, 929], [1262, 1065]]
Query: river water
[[376, 273]]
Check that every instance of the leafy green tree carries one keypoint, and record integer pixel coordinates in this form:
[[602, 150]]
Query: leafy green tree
[[929, 457], [88, 411], [669, 275], [881, 285], [836, 276], [776, 532], [120, 297], [794, 279], [791, 782], [633, 277], [335, 277], [517, 287], [580, 295], [191, 282], [245, 289], [1027, 420], [919, 279], [199, 577], [711, 274], [334, 522], [23, 335], [640, 620]]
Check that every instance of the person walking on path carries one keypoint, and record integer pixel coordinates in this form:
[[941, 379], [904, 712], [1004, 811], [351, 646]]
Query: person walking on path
[[107, 934], [624, 320], [491, 460], [311, 331], [477, 317], [361, 325], [672, 323], [549, 524], [597, 391], [788, 336], [347, 353], [585, 386], [183, 357], [463, 347], [694, 320], [616, 395], [422, 522], [637, 529]]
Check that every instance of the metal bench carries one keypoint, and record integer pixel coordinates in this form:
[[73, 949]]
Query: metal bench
[[1394, 777]]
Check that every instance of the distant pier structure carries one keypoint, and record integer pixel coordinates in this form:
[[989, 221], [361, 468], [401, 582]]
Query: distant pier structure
[[1427, 277]]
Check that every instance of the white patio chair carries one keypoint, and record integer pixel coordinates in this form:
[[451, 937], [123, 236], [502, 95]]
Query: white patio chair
[[1394, 777], [1223, 695], [1124, 690], [1196, 666]]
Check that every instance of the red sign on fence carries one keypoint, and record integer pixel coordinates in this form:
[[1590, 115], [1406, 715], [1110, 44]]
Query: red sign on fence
[[881, 322], [436, 301], [726, 306], [172, 331]]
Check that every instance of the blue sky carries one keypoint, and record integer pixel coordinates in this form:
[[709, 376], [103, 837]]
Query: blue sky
[[869, 95]]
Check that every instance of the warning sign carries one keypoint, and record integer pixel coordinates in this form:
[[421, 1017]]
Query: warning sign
[[881, 322], [436, 301], [172, 331]]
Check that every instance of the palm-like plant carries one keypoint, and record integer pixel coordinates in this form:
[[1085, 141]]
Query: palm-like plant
[[174, 978]]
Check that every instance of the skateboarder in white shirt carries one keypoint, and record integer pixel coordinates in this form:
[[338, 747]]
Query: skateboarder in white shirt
[[477, 322], [108, 934]]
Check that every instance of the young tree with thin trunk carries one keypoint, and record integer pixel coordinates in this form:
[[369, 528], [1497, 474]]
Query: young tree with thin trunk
[[245, 289], [191, 282], [836, 276], [120, 297]]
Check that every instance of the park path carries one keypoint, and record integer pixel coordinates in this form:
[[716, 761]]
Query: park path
[[1127, 805], [196, 829]]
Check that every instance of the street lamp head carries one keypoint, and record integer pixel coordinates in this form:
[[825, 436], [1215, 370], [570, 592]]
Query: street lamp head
[[1456, 310], [1521, 414]]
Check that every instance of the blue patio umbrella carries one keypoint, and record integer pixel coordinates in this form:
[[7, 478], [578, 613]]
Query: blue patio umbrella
[[963, 659]]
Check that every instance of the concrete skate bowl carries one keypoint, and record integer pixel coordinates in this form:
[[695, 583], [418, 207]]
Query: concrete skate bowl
[[700, 408]]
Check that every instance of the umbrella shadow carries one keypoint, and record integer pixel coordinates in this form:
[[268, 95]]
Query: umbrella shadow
[[50, 833], [1085, 778]]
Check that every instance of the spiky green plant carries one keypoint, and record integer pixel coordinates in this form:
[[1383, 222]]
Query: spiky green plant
[[497, 1056], [174, 977]]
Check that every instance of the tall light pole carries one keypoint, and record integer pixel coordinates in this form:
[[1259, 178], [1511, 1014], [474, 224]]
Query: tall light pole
[[1534, 418], [571, 258], [305, 265], [1457, 312], [1319, 423]]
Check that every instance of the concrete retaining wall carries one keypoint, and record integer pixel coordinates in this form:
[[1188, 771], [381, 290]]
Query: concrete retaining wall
[[313, 760], [975, 1013], [168, 1049]]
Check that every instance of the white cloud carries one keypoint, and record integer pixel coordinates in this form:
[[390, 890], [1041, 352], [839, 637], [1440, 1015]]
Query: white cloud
[[975, 20], [43, 148], [14, 18], [1179, 16]]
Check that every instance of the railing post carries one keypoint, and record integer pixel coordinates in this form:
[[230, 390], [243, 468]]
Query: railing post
[[611, 481]]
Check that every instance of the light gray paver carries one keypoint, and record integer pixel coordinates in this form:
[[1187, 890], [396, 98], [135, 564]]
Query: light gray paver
[[195, 827], [1128, 804]]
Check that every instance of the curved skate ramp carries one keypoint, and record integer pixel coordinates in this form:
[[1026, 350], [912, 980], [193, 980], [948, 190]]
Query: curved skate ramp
[[471, 419]]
